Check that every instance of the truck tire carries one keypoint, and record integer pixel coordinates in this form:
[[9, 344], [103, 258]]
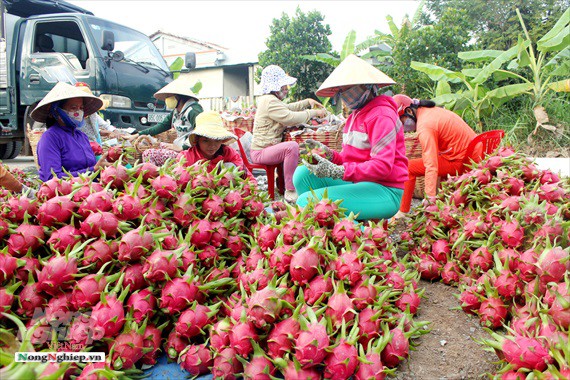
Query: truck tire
[[6, 150], [17, 149]]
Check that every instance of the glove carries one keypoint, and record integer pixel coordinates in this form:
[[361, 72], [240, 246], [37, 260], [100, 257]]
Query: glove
[[325, 168], [312, 144]]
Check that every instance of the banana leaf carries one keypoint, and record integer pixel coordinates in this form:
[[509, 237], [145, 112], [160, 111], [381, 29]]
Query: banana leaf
[[378, 54], [197, 87], [558, 37], [442, 88], [500, 75], [563, 57], [560, 86], [447, 98], [323, 57], [479, 55], [348, 45], [393, 28], [471, 73], [511, 90], [496, 64], [522, 55], [176, 66], [437, 73]]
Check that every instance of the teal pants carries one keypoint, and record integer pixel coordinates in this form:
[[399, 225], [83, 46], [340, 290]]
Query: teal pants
[[367, 199]]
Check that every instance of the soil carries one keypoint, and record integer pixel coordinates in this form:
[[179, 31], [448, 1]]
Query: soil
[[449, 351]]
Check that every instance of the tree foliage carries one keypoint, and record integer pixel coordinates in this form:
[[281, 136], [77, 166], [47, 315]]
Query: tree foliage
[[291, 38], [494, 23], [436, 44]]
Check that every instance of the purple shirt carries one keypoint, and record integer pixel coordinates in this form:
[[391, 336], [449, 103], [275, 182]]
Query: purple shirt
[[62, 148]]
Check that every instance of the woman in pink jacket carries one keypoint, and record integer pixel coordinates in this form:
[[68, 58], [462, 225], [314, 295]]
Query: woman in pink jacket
[[369, 173], [209, 142]]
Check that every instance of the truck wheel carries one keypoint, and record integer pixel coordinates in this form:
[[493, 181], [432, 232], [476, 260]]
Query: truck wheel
[[6, 150], [17, 149]]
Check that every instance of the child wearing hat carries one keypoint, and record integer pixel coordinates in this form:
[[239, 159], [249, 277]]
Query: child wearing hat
[[64, 148], [368, 174], [209, 142]]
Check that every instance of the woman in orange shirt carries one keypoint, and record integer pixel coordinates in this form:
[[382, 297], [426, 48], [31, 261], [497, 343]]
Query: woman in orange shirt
[[443, 136]]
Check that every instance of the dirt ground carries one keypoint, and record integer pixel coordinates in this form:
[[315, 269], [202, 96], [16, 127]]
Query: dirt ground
[[449, 351]]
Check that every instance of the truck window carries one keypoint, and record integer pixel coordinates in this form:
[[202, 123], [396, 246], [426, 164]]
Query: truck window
[[61, 37]]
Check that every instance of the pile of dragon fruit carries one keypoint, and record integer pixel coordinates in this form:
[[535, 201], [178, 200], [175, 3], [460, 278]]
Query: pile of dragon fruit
[[147, 261], [501, 233]]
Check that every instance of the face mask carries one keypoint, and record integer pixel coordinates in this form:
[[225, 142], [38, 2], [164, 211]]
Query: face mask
[[75, 115], [356, 97], [171, 102], [409, 125]]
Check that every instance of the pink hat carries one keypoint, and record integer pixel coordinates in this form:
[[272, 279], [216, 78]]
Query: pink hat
[[403, 102]]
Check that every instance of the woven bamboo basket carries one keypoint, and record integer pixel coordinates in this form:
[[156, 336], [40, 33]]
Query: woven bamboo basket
[[414, 151], [143, 143], [332, 139], [34, 136]]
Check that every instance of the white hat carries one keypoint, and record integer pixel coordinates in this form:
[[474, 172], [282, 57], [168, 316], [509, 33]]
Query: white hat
[[179, 86], [273, 78], [210, 124], [353, 71], [62, 91]]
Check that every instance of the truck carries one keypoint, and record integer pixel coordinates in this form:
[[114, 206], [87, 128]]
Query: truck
[[43, 42]]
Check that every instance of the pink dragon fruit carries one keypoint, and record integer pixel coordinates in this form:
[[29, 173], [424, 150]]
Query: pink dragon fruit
[[194, 319], [511, 233], [492, 312], [197, 359], [8, 266], [281, 337], [178, 294], [553, 264], [319, 286], [226, 365], [126, 349], [342, 361], [165, 186], [174, 345], [108, 317], [56, 210], [134, 244], [152, 341], [303, 266], [30, 299], [87, 291], [160, 265], [64, 238], [325, 211], [345, 231], [397, 349], [142, 304], [98, 201], [26, 237], [57, 275], [241, 336], [99, 224], [264, 306], [98, 252], [312, 342], [349, 267]]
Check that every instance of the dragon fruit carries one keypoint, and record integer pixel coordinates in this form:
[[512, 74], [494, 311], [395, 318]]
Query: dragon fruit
[[98, 201], [98, 224], [8, 266], [242, 334], [126, 349], [134, 244], [57, 275], [397, 349], [142, 304], [56, 210], [160, 265], [174, 345], [312, 341], [196, 359], [492, 312], [87, 291], [226, 364], [303, 266], [64, 238], [152, 341], [281, 337], [25, 237]]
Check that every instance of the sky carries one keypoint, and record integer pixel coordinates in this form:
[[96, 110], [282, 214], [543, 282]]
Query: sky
[[245, 25]]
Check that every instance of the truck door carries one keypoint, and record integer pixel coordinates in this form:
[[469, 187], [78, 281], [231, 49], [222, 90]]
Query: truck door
[[54, 51]]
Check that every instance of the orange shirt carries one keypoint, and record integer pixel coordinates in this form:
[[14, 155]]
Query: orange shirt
[[441, 133]]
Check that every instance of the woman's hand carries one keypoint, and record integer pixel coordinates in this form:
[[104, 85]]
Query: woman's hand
[[102, 163], [314, 104], [130, 137], [321, 113]]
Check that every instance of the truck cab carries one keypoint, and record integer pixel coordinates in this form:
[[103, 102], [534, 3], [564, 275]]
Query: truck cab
[[120, 64]]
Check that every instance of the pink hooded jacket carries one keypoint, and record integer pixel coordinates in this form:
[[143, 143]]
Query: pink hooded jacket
[[373, 148]]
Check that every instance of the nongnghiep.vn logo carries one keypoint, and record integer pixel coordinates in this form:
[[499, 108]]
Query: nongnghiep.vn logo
[[59, 357]]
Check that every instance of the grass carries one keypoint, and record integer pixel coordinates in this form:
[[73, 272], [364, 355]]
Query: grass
[[516, 118]]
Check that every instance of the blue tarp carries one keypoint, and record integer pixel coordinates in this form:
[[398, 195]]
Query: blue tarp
[[163, 370]]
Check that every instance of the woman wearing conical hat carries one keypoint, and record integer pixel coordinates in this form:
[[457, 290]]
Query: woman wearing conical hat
[[369, 173], [183, 102], [64, 148]]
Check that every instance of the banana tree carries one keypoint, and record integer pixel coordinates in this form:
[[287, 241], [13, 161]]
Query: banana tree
[[551, 62]]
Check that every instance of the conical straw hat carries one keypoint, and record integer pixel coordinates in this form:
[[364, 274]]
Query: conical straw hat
[[179, 86], [353, 71], [62, 91]]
